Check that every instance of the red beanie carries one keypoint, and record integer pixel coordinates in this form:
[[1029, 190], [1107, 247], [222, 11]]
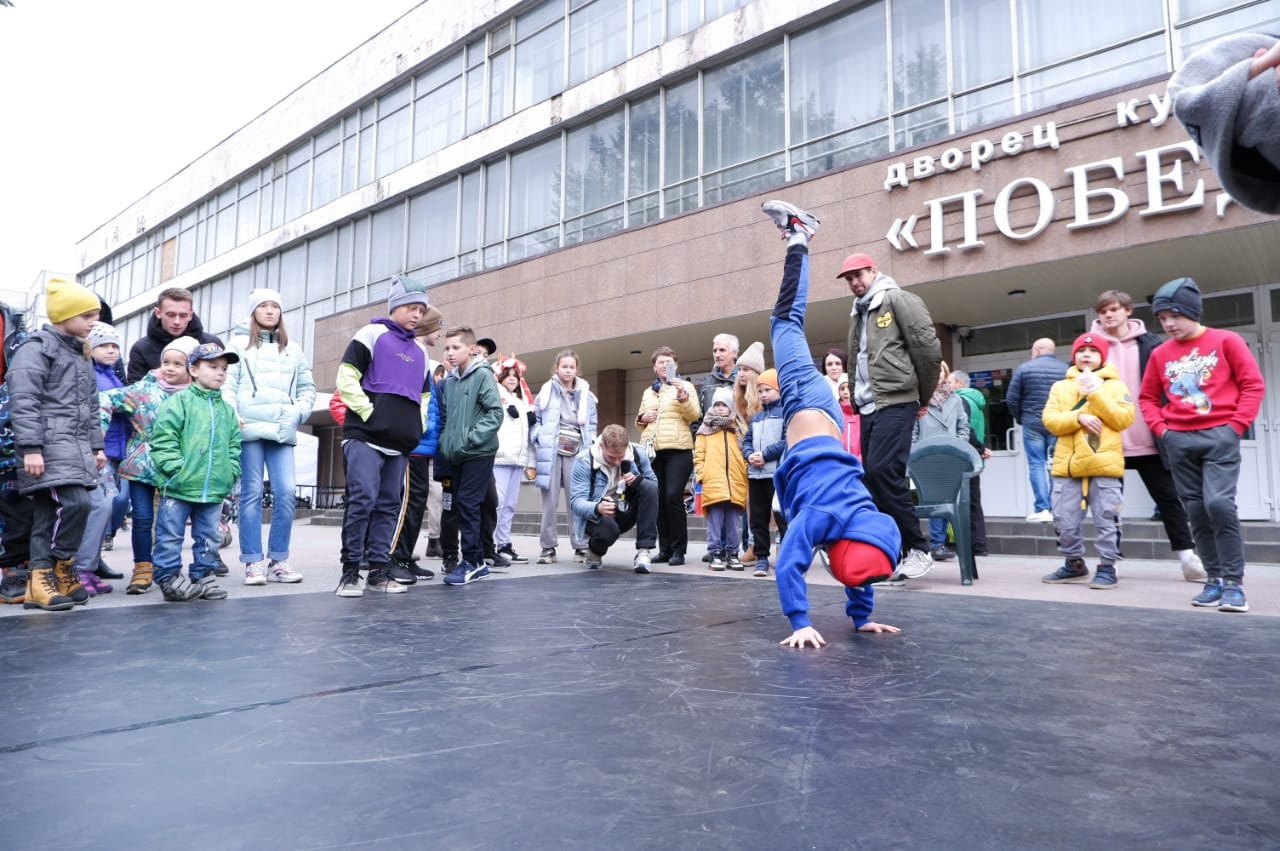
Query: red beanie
[[857, 563], [1093, 340]]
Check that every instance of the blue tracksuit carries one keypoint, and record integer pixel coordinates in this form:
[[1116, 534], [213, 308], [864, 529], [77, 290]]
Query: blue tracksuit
[[819, 483]]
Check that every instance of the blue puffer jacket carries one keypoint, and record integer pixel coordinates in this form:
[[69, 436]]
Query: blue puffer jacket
[[590, 482], [1029, 389], [547, 409], [117, 438], [271, 390]]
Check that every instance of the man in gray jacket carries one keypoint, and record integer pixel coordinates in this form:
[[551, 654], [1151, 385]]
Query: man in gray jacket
[[896, 359], [1028, 393]]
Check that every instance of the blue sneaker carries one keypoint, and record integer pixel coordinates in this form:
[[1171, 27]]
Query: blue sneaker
[[1105, 578], [1211, 595], [465, 574], [1232, 598], [1074, 570]]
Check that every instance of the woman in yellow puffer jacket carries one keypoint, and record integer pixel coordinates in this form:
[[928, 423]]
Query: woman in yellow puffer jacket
[[1087, 410], [668, 408]]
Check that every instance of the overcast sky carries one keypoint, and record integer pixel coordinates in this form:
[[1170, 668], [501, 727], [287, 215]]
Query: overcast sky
[[102, 101]]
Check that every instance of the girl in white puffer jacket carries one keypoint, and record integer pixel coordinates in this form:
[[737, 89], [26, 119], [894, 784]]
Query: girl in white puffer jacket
[[272, 391], [514, 461]]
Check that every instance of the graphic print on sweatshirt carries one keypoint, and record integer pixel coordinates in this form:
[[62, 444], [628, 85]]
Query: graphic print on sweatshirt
[[1187, 375]]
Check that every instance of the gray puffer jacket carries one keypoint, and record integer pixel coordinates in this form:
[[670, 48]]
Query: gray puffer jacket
[[54, 410]]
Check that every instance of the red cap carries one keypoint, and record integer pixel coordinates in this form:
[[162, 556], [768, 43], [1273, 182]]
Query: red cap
[[854, 262], [1092, 340], [857, 563]]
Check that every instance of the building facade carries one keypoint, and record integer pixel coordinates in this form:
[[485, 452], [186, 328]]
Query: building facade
[[587, 174]]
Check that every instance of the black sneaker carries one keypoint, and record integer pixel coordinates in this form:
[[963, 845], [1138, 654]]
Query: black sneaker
[[942, 553], [497, 561], [433, 548], [422, 572], [675, 559], [401, 572], [179, 589], [349, 585], [547, 556], [1074, 570], [513, 556], [220, 567], [13, 588], [662, 557], [105, 572]]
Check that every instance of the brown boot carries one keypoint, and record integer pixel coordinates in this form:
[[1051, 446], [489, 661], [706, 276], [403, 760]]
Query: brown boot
[[42, 592], [140, 583], [69, 584], [749, 557]]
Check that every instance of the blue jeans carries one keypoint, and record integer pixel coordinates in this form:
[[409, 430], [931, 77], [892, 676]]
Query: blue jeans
[[142, 497], [937, 532], [1036, 444], [171, 525], [120, 505], [801, 386], [277, 460]]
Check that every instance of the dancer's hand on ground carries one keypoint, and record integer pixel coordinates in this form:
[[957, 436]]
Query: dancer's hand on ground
[[872, 626], [804, 637]]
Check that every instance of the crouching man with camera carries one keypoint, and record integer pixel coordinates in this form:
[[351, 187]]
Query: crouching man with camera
[[613, 490]]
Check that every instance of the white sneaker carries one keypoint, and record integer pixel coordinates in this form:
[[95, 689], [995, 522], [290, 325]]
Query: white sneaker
[[643, 561], [916, 564], [256, 573], [1045, 516], [1192, 567], [280, 571]]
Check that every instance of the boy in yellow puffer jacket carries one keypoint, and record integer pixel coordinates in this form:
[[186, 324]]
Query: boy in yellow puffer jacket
[[1087, 410], [720, 468]]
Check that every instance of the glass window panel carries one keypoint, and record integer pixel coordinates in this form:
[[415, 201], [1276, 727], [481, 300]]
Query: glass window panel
[[328, 137], [681, 132], [393, 101], [537, 18], [986, 106], [437, 272], [1264, 17], [539, 66], [293, 275], [298, 156], [919, 52], [594, 171], [717, 8], [440, 75], [743, 109], [833, 88], [327, 178], [535, 188], [297, 188], [395, 141], [500, 86], [644, 130], [475, 100], [495, 202], [186, 250], [437, 119], [643, 210], [433, 225], [386, 251], [1050, 32], [981, 42], [682, 16], [366, 156], [343, 281], [247, 226], [468, 233], [646, 24], [278, 197], [681, 198], [745, 179], [216, 314], [1115, 68], [322, 274], [597, 39], [593, 225], [534, 243], [840, 150], [923, 125], [225, 238], [360, 254]]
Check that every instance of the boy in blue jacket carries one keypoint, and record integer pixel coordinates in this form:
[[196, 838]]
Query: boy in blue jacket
[[195, 446], [819, 483]]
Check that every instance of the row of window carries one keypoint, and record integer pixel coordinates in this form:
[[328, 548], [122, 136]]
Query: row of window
[[884, 76]]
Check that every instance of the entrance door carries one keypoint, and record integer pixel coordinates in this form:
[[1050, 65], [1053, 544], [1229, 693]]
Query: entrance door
[[1006, 490]]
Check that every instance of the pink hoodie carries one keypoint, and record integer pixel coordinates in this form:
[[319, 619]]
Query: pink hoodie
[[1137, 439]]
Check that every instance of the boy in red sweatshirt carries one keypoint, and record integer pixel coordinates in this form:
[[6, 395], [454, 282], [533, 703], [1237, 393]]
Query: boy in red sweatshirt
[[1200, 393]]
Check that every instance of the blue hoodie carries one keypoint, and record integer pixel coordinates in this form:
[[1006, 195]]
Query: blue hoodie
[[117, 437], [828, 503]]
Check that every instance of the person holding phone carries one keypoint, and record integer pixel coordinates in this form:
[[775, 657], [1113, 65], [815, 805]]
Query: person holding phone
[[667, 409], [614, 489]]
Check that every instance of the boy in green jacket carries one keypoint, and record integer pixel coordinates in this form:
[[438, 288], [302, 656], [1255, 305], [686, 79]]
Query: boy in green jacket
[[195, 446]]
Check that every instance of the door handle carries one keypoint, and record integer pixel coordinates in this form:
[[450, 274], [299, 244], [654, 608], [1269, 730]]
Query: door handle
[[1008, 438]]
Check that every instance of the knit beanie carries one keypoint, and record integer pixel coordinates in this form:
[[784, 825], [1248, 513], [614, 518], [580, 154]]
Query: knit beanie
[[432, 321], [406, 291], [753, 357], [769, 377], [102, 334], [1232, 117], [64, 299], [1181, 296], [257, 297], [183, 345], [1089, 338], [722, 396]]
